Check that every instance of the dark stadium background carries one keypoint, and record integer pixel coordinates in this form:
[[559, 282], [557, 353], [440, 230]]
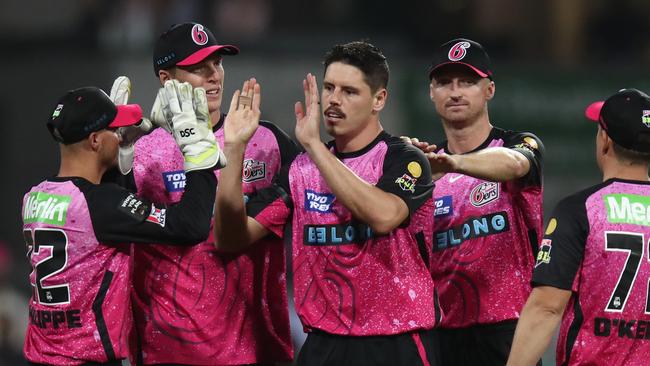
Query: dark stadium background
[[550, 59]]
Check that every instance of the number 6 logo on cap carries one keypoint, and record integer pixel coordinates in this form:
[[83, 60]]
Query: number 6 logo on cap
[[198, 35], [458, 51]]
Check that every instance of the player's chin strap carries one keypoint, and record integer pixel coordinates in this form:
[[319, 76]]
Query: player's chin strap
[[120, 93]]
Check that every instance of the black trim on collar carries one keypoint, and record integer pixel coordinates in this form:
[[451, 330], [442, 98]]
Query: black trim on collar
[[495, 133], [383, 135], [219, 124]]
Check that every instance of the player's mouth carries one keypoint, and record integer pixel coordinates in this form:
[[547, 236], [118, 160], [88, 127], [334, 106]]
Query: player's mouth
[[213, 93], [333, 115], [456, 105]]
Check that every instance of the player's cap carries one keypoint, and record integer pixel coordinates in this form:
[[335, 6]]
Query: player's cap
[[83, 111], [464, 52], [625, 116], [187, 44]]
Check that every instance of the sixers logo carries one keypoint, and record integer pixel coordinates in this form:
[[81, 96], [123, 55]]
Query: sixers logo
[[458, 51], [253, 170], [484, 193], [199, 36]]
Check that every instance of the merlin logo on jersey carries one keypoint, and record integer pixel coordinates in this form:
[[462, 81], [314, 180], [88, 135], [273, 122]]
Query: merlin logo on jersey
[[253, 170], [443, 206], [174, 180], [491, 224], [157, 216], [544, 254], [47, 208], [628, 209], [406, 183], [319, 202], [484, 193], [645, 118], [350, 233]]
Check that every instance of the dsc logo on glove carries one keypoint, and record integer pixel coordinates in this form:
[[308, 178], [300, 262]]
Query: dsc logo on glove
[[187, 132]]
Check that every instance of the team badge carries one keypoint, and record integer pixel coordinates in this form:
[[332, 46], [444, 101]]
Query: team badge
[[458, 51], [199, 36], [319, 202], [253, 170], [484, 193], [544, 254], [645, 118], [406, 183]]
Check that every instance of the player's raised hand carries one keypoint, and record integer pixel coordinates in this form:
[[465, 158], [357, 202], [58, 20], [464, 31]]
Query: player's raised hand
[[244, 114], [192, 131], [120, 93], [308, 118]]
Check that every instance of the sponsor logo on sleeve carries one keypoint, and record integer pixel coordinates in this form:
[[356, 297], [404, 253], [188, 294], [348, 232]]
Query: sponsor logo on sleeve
[[253, 170], [443, 206], [46, 208], [484, 193], [529, 144], [406, 183], [319, 202], [134, 207], [174, 180], [544, 254], [157, 215], [628, 209]]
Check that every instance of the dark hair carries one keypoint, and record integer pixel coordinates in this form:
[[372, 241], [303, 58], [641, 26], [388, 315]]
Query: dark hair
[[363, 56], [631, 156]]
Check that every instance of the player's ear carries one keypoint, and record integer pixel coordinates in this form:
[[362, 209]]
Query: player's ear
[[490, 90], [94, 140], [164, 75], [379, 100]]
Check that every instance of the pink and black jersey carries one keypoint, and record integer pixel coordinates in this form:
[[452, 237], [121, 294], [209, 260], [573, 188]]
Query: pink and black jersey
[[196, 305], [597, 244], [485, 238], [77, 235], [348, 280]]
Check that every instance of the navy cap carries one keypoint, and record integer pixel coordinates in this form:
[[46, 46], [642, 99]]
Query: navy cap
[[625, 116], [83, 111], [186, 44], [464, 52]]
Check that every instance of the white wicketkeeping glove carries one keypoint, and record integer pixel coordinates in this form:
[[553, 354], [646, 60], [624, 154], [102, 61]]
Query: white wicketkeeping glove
[[120, 93], [190, 125]]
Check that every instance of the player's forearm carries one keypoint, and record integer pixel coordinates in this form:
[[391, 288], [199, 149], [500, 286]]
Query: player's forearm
[[535, 328], [230, 220], [497, 164], [382, 211]]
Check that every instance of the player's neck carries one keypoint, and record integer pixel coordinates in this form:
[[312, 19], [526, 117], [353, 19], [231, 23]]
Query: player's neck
[[215, 116], [81, 165], [627, 172], [356, 141], [466, 137]]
